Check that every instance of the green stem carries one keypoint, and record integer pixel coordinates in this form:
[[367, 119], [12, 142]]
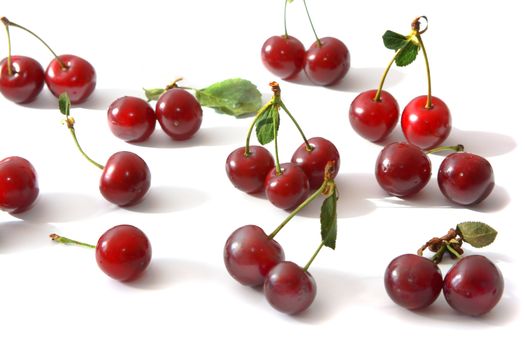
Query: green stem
[[439, 254], [72, 130], [298, 209], [9, 67], [285, 28], [64, 240], [311, 23], [305, 268], [308, 146], [278, 171], [457, 148], [377, 97], [429, 93], [255, 119], [453, 251]]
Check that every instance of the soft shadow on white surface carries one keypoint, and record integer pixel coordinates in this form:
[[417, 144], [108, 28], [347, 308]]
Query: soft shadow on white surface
[[212, 136], [20, 235], [483, 143], [363, 79], [44, 100], [101, 98], [166, 199]]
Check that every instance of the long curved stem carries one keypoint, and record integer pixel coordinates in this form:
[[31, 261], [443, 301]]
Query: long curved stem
[[72, 130], [377, 97], [275, 126], [252, 125], [311, 23], [285, 28], [9, 67], [429, 83], [305, 268], [308, 147]]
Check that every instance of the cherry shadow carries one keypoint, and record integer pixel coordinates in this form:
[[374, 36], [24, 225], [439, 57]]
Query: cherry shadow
[[362, 79], [21, 235], [167, 199], [483, 143]]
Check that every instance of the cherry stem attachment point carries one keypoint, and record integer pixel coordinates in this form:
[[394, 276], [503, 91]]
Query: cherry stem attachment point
[[307, 266], [5, 21], [457, 148], [311, 24], [64, 240]]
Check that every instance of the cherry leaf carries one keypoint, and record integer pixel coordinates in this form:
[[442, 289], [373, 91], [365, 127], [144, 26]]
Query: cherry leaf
[[408, 54], [406, 48], [265, 125], [393, 40], [329, 220], [477, 234], [64, 104]]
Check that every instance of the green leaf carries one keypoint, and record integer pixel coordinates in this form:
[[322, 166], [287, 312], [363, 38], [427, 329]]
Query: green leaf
[[153, 94], [393, 40], [407, 49], [235, 97], [329, 220], [64, 104], [265, 124], [408, 54], [477, 234]]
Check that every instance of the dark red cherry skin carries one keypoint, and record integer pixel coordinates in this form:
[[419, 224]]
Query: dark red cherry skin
[[289, 289], [426, 128], [18, 185], [402, 169], [78, 79], [465, 178], [248, 172], [25, 82], [249, 255], [179, 114], [374, 120], [328, 63], [313, 162], [131, 119], [412, 281], [289, 189], [283, 56], [473, 286], [123, 252], [125, 179]]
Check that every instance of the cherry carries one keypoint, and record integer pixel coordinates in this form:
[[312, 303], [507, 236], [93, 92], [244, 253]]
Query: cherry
[[465, 178], [473, 286], [249, 254], [402, 169], [24, 81], [125, 179], [412, 281], [289, 288], [18, 185], [283, 55], [288, 188], [373, 118], [179, 114], [426, 127], [131, 119], [247, 172], [313, 157], [71, 74], [327, 61], [123, 252]]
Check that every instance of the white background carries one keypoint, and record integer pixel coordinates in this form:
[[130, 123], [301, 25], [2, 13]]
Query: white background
[[56, 296]]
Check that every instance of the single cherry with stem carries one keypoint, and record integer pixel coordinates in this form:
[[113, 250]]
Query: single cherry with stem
[[131, 119], [247, 168], [18, 185], [123, 252]]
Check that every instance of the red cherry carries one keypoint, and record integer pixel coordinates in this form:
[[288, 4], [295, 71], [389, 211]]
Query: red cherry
[[249, 254], [473, 286], [125, 179], [78, 79], [328, 63], [131, 119], [313, 162], [283, 56], [123, 252], [402, 169], [423, 127], [465, 178], [289, 289], [25, 82], [288, 189], [248, 172], [18, 185], [374, 120], [179, 114]]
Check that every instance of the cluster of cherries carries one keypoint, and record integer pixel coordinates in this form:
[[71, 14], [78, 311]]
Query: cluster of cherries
[[325, 63], [252, 169]]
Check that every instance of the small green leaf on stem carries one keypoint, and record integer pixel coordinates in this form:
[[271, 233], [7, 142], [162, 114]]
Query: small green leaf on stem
[[393, 40], [329, 220], [477, 234], [264, 126], [406, 46], [64, 104], [235, 97], [153, 94], [408, 54]]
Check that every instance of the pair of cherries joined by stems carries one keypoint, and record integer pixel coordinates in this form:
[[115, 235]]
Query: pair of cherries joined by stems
[[253, 169], [22, 78], [325, 63], [425, 121]]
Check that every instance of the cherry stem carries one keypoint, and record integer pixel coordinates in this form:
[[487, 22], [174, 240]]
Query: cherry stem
[[252, 125], [276, 121], [427, 66], [307, 266], [9, 23], [377, 97], [453, 251], [9, 67], [70, 125], [285, 28], [309, 148], [457, 148], [311, 23], [65, 240], [436, 258]]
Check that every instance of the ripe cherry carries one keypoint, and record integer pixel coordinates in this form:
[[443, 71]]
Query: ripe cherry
[[249, 254], [289, 288], [18, 185], [327, 61], [247, 172], [473, 286], [131, 119], [426, 127], [24, 81], [283, 55], [412, 281], [402, 169], [465, 178], [287, 189], [313, 160], [374, 119], [71, 74], [179, 114]]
